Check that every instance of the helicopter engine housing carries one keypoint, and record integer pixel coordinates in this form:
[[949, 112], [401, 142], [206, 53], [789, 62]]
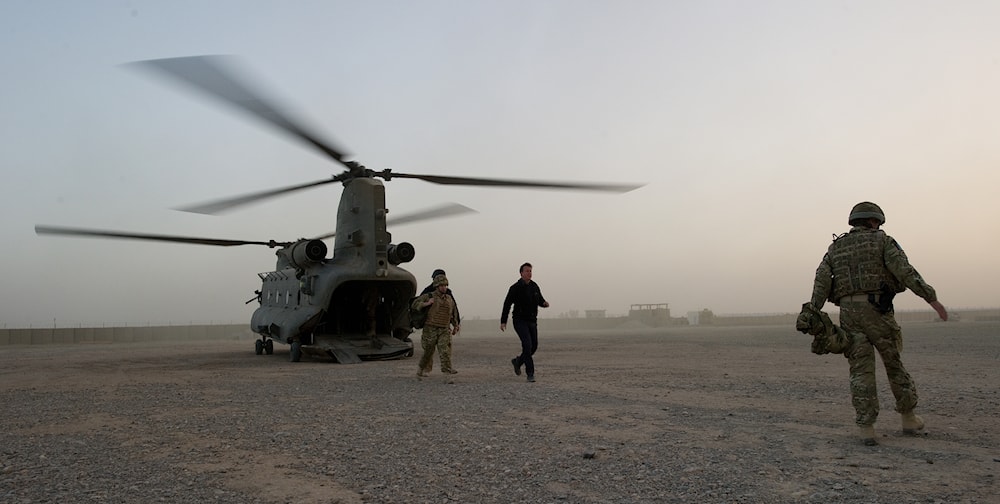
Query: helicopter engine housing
[[306, 252], [400, 253]]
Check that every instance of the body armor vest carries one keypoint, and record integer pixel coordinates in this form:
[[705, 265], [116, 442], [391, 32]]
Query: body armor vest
[[858, 264], [439, 313]]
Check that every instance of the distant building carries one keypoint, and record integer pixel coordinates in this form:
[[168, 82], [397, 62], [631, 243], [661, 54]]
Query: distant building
[[703, 317], [595, 313], [653, 315]]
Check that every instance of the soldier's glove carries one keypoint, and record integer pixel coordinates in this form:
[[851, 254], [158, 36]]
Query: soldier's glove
[[809, 320], [827, 337]]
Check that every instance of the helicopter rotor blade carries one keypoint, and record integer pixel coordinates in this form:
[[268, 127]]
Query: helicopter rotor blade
[[219, 206], [97, 233], [447, 210], [473, 181], [438, 212], [216, 76]]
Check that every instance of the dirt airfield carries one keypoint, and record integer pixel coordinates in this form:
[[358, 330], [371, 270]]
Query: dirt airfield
[[685, 414]]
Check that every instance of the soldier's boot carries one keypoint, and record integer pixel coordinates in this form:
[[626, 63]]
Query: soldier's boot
[[912, 424], [867, 435]]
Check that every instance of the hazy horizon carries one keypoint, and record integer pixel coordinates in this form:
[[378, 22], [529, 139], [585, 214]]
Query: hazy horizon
[[755, 127]]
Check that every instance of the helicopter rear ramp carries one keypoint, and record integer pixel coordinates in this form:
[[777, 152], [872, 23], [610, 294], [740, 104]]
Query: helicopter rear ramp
[[355, 350]]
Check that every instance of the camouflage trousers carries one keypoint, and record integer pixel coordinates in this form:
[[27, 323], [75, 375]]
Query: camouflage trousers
[[869, 331], [435, 337]]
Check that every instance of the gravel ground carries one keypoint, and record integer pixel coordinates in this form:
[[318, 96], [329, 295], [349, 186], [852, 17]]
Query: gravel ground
[[692, 414]]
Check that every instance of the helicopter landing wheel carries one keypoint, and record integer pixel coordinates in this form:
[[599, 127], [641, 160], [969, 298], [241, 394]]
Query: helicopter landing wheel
[[269, 347], [258, 347], [296, 353]]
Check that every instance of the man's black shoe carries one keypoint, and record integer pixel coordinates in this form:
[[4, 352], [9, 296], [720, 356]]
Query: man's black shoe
[[517, 367], [531, 378]]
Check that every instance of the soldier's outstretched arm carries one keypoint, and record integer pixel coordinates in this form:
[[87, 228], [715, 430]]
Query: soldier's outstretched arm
[[899, 265], [939, 308]]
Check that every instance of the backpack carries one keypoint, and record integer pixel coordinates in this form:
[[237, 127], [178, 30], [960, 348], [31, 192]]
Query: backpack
[[417, 315]]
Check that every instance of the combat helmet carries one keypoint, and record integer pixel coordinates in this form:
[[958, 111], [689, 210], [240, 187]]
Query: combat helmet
[[440, 280], [866, 210]]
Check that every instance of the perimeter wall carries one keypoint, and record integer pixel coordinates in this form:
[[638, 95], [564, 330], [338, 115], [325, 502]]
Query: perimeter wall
[[83, 335], [61, 335]]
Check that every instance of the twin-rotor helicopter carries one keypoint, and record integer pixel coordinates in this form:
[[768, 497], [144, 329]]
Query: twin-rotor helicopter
[[352, 305]]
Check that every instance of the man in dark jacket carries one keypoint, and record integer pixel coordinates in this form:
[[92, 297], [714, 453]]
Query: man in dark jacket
[[526, 297]]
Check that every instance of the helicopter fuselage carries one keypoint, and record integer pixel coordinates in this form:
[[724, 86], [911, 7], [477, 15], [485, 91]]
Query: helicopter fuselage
[[356, 302]]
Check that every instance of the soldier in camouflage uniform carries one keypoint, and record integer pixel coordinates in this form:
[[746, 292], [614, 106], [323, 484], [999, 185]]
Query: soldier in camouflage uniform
[[442, 322], [429, 290], [861, 272]]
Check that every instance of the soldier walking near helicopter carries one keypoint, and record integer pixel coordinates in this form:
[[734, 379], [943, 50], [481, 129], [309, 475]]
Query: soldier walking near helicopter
[[526, 297], [441, 324], [430, 289], [861, 273]]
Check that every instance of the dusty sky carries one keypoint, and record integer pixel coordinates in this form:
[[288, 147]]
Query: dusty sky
[[754, 125]]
